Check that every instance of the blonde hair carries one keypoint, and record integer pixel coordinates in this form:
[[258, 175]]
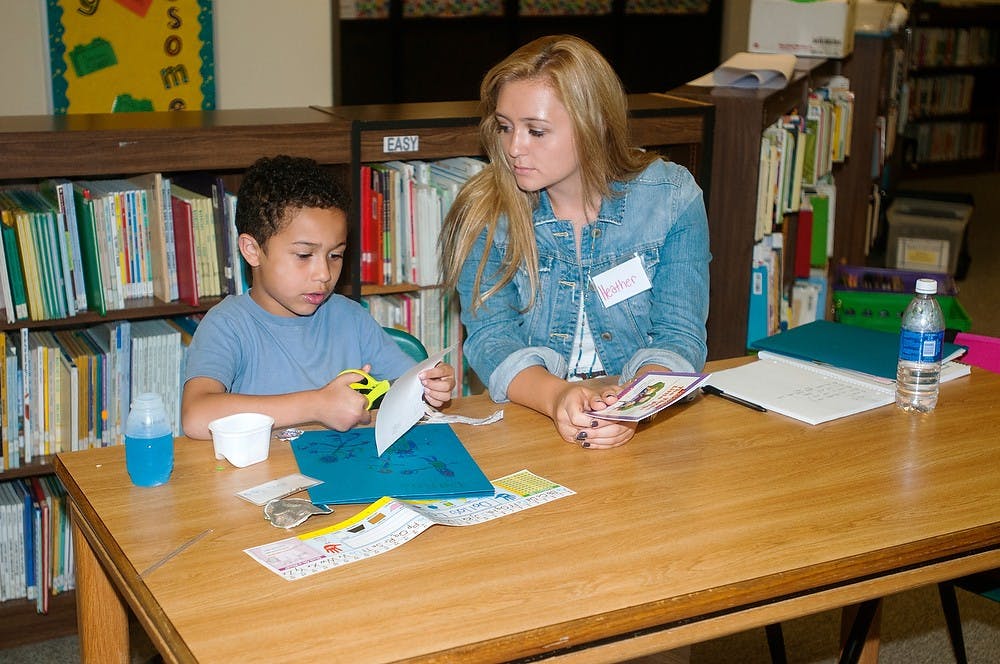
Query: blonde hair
[[594, 98]]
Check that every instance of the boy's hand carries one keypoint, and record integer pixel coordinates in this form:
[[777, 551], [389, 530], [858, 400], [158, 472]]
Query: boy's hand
[[438, 382], [342, 408]]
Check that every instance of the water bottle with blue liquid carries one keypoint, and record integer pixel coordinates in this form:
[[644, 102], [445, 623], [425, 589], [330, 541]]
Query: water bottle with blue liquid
[[149, 441]]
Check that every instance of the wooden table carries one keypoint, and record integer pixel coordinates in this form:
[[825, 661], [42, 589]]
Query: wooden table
[[713, 520]]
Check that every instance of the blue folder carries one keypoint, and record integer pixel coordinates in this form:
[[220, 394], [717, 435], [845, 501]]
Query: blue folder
[[845, 346], [428, 462]]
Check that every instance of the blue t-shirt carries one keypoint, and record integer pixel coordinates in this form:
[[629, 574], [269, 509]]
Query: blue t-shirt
[[251, 351]]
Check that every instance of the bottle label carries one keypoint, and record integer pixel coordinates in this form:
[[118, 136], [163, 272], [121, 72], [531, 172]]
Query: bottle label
[[920, 346]]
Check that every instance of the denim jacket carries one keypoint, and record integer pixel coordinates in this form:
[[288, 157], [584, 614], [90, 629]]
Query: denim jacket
[[658, 216]]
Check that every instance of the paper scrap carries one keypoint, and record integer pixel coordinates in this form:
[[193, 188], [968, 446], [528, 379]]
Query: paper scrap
[[279, 488], [403, 405]]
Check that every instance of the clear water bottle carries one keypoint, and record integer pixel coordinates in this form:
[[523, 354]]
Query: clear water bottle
[[921, 339], [149, 441]]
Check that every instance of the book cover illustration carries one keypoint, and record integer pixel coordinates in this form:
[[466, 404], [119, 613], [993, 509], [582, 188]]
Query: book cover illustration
[[131, 55], [429, 461], [649, 394]]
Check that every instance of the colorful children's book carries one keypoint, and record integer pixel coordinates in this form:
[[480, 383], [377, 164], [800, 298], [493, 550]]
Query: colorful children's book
[[427, 462], [94, 276], [160, 239], [184, 243], [649, 394]]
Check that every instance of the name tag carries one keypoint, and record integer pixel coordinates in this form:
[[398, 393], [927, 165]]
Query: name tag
[[621, 282]]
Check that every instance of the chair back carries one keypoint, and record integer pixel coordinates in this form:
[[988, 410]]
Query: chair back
[[408, 343]]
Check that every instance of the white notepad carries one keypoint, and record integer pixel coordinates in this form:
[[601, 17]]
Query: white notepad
[[809, 391]]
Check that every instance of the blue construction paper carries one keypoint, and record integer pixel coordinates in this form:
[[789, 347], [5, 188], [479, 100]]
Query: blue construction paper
[[428, 462]]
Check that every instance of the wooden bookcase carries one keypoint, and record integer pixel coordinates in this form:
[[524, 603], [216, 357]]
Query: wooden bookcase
[[741, 115], [226, 143], [103, 146], [953, 74], [870, 69]]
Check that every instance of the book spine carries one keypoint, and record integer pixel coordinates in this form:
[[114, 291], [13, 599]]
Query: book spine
[[227, 253], [145, 245], [52, 197], [68, 205], [60, 294], [18, 289], [26, 383], [153, 214], [93, 278], [26, 247], [187, 264], [365, 207], [168, 233]]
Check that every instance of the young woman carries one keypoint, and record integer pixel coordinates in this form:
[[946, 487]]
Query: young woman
[[575, 255]]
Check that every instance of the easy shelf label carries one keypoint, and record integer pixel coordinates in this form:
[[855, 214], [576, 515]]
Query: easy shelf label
[[400, 143]]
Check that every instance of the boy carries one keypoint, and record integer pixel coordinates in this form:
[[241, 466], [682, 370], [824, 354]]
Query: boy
[[279, 349]]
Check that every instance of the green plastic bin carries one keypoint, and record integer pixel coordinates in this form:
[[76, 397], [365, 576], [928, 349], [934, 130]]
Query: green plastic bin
[[884, 311]]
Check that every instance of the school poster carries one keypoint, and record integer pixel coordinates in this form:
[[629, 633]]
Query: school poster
[[115, 56]]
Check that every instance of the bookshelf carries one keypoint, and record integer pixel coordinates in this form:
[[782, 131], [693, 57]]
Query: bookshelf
[[104, 146], [741, 116], [227, 142], [860, 186], [113, 145], [952, 105]]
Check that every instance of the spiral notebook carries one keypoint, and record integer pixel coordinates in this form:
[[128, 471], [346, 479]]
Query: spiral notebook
[[811, 392]]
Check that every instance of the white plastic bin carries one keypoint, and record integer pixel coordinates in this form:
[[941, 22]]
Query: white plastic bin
[[926, 234]]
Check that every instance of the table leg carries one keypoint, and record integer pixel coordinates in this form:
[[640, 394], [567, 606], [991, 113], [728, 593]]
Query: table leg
[[860, 631], [102, 619]]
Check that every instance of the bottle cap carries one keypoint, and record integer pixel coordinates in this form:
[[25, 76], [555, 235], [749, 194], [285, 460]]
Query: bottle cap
[[147, 400], [927, 286]]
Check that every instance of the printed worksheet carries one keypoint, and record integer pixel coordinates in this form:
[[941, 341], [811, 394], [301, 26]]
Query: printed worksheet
[[389, 523]]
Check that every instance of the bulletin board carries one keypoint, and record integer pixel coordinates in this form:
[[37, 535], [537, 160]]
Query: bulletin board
[[114, 56]]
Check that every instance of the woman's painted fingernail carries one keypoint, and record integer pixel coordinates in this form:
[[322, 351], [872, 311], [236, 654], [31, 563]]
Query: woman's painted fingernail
[[585, 445], [593, 423], [582, 435]]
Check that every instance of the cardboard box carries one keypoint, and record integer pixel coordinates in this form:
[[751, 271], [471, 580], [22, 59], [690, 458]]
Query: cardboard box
[[926, 234], [813, 28]]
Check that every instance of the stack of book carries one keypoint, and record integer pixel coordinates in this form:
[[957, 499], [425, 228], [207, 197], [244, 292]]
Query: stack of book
[[96, 245], [403, 205], [36, 546], [67, 390], [797, 155]]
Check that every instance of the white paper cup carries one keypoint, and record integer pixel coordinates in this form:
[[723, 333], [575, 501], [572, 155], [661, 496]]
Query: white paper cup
[[243, 439]]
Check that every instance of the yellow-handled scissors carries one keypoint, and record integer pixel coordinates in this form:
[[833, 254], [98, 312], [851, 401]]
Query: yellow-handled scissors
[[368, 386]]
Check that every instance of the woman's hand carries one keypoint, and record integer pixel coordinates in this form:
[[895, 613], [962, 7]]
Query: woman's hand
[[576, 426], [567, 403]]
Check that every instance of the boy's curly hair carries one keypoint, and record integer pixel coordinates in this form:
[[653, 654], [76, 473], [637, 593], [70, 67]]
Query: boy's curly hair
[[275, 188]]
